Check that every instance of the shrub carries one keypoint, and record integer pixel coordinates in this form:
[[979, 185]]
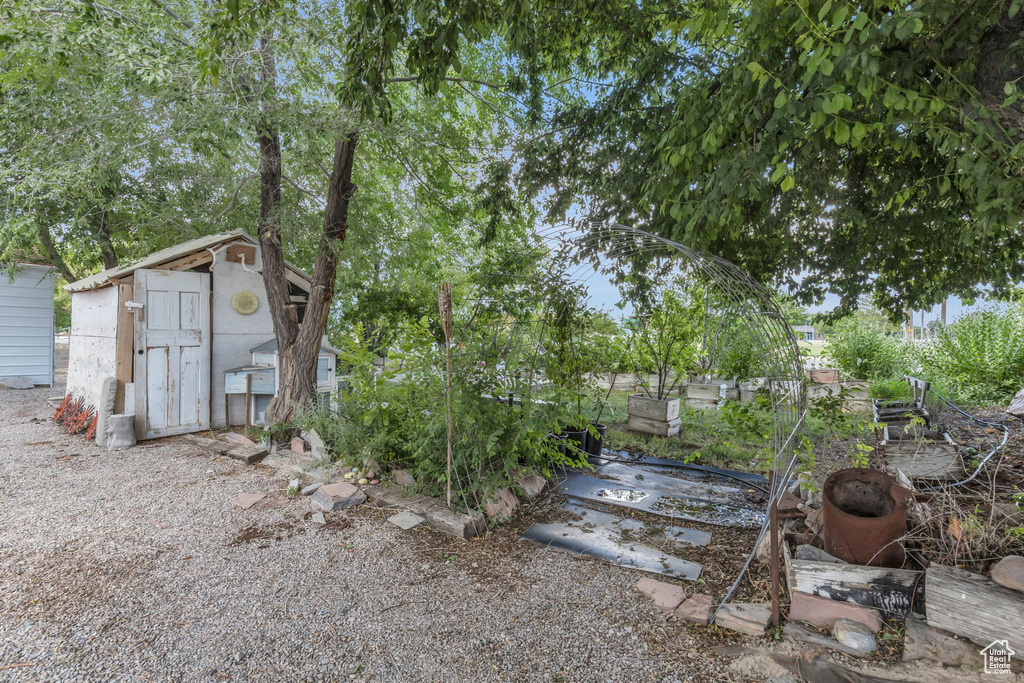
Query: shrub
[[865, 351], [980, 357], [398, 416]]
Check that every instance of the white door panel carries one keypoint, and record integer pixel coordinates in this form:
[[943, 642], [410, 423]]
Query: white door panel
[[172, 346]]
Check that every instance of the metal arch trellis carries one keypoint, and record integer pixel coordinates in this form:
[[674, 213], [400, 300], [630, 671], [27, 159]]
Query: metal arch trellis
[[510, 291]]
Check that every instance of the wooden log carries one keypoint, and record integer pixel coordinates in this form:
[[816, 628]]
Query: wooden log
[[656, 427], [975, 607], [653, 409], [437, 515], [888, 590], [920, 641]]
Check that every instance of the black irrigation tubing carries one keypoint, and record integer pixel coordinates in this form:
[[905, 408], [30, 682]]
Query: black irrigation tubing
[[984, 461]]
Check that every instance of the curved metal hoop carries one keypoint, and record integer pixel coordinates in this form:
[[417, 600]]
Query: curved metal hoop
[[510, 289]]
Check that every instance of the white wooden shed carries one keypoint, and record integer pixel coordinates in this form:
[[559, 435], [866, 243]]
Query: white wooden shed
[[168, 328], [26, 323]]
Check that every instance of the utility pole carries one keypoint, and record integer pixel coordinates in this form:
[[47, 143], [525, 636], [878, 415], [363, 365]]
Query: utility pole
[[944, 312]]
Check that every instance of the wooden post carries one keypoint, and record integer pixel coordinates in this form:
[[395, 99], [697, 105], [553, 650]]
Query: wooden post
[[124, 346], [444, 304], [248, 399]]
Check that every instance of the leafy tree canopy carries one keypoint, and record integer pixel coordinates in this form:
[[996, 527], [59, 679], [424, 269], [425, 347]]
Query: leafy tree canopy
[[862, 147]]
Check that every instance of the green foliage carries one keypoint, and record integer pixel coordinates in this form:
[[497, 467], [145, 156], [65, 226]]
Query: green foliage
[[825, 139], [666, 337], [866, 351], [397, 415], [980, 357]]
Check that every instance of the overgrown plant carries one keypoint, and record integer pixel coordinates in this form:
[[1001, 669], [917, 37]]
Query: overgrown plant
[[665, 339], [395, 414], [864, 350], [980, 357]]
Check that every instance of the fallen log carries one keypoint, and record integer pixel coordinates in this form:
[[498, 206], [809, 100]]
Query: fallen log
[[974, 607]]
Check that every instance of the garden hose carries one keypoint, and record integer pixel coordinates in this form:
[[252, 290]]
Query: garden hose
[[984, 461]]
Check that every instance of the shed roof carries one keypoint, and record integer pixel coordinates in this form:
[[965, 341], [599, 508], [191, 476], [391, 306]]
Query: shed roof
[[104, 278], [270, 346]]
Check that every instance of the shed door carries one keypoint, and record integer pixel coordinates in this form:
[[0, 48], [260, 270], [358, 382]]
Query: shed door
[[172, 353]]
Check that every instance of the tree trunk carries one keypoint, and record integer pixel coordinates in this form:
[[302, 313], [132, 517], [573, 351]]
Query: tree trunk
[[106, 246], [46, 239], [298, 345], [298, 360]]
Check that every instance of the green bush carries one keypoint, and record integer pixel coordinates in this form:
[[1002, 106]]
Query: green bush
[[397, 415], [865, 351], [980, 357]]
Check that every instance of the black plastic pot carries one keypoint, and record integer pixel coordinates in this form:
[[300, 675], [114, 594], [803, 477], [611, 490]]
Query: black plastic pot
[[560, 441], [593, 446], [577, 440]]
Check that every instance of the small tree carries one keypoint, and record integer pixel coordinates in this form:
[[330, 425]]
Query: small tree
[[665, 335]]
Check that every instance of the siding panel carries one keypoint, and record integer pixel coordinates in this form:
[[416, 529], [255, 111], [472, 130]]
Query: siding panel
[[26, 324]]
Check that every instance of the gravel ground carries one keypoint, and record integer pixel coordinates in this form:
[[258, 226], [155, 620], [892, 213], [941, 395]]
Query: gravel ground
[[133, 565]]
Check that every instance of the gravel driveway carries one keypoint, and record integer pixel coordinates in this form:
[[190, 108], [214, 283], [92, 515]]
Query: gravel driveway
[[133, 565]]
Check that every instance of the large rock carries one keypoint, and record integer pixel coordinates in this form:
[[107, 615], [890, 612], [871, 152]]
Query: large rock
[[666, 596], [403, 478], [1016, 406], [696, 610], [532, 484], [1009, 572], [120, 431], [16, 382], [502, 506], [854, 635], [823, 612], [338, 496]]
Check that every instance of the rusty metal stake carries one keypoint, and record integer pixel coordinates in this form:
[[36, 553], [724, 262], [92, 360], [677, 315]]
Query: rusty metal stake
[[773, 520]]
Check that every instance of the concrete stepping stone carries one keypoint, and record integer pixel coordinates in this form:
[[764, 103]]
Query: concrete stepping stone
[[406, 520]]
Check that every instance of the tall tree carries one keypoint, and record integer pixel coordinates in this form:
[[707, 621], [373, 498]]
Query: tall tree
[[304, 97], [852, 146]]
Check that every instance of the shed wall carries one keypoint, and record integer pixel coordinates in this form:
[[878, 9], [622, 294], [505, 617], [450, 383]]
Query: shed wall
[[26, 324], [92, 342], [234, 334]]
